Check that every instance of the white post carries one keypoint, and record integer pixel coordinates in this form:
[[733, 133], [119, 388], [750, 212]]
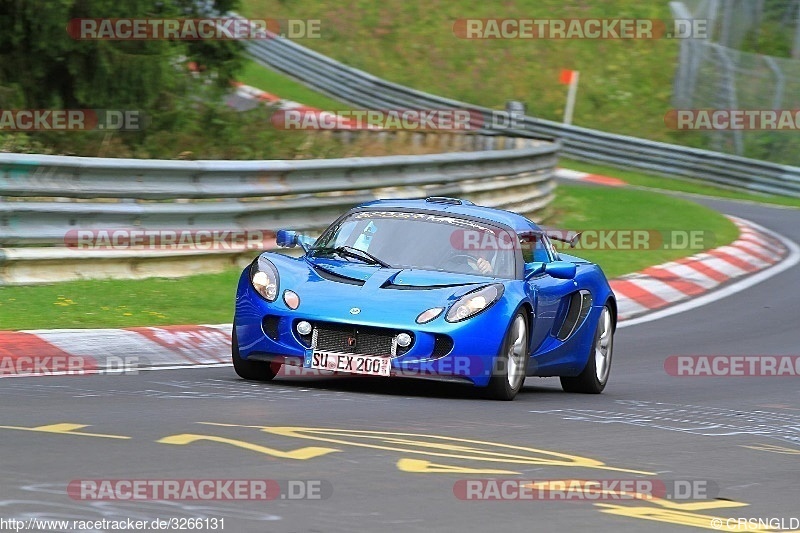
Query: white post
[[573, 92]]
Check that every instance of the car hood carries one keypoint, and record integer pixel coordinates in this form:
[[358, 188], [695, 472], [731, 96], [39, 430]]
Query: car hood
[[366, 294]]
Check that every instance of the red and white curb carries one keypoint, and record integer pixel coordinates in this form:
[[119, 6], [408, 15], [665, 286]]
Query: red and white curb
[[90, 351], [252, 93], [654, 292], [569, 174], [667, 284]]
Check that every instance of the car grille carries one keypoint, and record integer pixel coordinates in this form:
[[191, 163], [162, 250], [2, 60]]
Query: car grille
[[355, 339], [441, 346], [270, 326]]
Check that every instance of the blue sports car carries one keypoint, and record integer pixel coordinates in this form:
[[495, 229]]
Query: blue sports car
[[436, 288]]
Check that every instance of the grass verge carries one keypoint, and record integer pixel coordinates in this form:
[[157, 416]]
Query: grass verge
[[666, 219], [201, 299], [650, 181], [284, 87], [208, 298]]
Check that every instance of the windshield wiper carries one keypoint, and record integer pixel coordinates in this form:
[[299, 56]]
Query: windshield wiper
[[321, 249], [349, 251], [357, 253]]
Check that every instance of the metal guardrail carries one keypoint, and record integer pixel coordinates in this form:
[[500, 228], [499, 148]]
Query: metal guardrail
[[43, 198], [362, 89]]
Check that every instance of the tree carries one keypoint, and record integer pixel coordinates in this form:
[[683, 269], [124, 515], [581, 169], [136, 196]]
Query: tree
[[42, 66]]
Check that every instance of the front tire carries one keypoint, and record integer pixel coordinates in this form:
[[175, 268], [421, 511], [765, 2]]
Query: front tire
[[508, 373], [251, 370], [594, 377]]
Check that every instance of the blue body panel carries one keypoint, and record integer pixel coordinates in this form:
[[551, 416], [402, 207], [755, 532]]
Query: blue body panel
[[393, 298]]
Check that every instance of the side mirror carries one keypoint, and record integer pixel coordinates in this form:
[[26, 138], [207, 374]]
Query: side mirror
[[533, 269], [561, 269], [286, 238]]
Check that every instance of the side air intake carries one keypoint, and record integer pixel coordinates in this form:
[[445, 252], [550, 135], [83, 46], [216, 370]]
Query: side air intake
[[580, 303]]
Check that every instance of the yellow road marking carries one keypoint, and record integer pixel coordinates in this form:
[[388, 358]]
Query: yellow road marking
[[300, 454], [426, 467], [773, 448], [437, 446], [658, 510], [582, 486], [65, 429], [681, 518]]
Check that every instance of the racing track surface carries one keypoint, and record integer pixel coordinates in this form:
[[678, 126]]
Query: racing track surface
[[742, 434]]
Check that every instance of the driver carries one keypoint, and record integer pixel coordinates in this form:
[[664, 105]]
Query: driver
[[482, 261]]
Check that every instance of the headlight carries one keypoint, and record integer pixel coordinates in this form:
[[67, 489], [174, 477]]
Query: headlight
[[426, 316], [264, 278], [291, 299], [474, 302]]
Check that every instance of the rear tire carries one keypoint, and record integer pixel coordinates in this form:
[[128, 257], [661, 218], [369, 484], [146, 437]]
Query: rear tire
[[251, 370], [595, 375], [510, 365]]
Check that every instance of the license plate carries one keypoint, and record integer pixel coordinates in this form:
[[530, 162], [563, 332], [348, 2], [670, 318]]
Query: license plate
[[350, 363]]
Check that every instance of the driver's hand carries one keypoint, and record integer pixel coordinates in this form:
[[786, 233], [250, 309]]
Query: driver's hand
[[484, 266]]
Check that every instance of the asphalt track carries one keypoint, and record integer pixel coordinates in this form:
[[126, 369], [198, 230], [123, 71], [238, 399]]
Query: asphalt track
[[739, 434]]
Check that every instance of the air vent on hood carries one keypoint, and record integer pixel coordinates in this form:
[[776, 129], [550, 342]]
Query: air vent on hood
[[333, 276], [389, 285], [418, 279]]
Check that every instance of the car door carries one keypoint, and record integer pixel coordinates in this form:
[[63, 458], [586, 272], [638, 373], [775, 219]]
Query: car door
[[547, 292]]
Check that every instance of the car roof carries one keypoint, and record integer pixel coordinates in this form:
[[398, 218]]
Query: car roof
[[455, 206]]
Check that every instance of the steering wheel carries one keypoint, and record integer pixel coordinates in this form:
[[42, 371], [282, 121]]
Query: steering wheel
[[466, 257]]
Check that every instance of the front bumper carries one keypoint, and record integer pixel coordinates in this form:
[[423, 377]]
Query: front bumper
[[267, 332]]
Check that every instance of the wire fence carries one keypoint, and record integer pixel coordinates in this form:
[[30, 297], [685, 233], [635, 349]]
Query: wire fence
[[717, 72]]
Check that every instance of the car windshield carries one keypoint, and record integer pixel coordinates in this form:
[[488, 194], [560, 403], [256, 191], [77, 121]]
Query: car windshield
[[423, 241]]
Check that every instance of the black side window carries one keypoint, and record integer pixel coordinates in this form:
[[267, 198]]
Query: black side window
[[535, 247]]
